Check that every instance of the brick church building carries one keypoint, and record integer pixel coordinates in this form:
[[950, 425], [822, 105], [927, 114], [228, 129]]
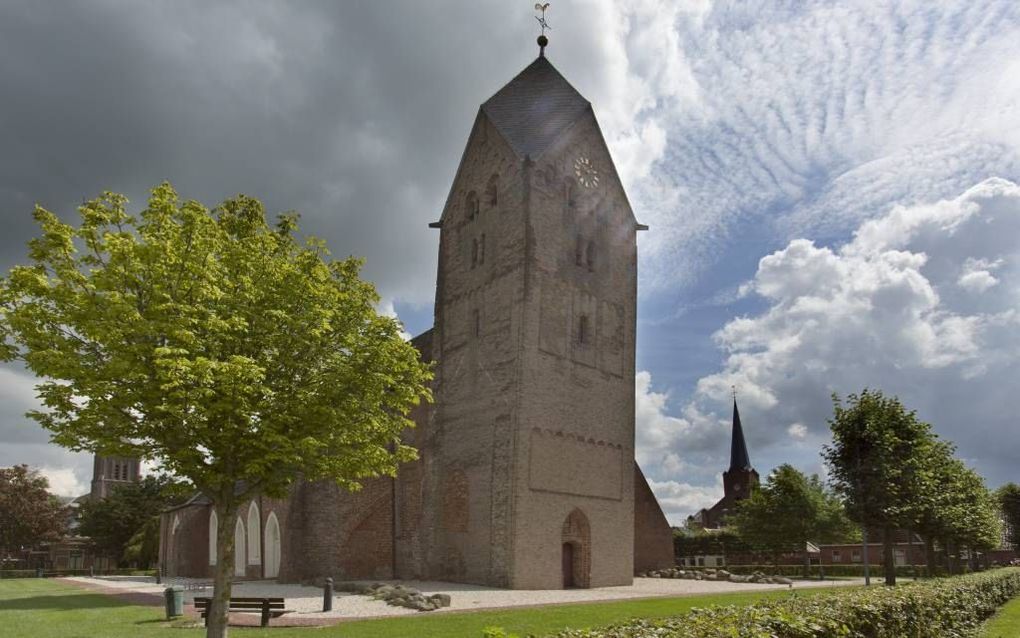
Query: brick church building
[[526, 477]]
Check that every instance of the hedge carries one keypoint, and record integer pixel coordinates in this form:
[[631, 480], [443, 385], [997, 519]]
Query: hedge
[[797, 571], [939, 608]]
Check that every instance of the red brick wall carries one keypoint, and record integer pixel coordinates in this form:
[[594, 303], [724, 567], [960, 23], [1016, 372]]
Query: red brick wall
[[653, 538]]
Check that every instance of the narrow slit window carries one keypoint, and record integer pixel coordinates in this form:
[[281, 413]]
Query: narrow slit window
[[481, 250], [582, 330], [474, 253], [571, 194], [472, 206], [492, 191], [477, 322], [579, 252], [590, 256]]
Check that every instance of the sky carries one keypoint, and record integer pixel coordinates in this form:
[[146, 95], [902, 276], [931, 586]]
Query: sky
[[831, 187]]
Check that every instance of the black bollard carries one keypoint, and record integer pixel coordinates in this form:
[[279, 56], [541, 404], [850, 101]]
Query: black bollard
[[327, 595]]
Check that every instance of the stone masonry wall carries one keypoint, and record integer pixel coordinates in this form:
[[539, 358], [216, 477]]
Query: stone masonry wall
[[575, 435]]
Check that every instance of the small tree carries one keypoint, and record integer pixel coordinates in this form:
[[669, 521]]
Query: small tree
[[876, 461], [1008, 498], [222, 347], [29, 514], [112, 522], [789, 511]]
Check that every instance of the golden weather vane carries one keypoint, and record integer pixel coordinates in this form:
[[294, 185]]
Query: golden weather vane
[[541, 19]]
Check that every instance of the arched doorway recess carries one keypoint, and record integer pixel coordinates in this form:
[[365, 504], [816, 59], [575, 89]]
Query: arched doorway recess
[[576, 550]]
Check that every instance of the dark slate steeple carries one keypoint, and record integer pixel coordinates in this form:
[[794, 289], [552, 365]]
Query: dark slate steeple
[[739, 460]]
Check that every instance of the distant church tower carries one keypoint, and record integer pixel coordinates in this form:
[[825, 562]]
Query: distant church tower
[[108, 472], [740, 478], [532, 451], [738, 481]]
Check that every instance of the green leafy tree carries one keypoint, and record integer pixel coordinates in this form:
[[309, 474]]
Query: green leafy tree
[[224, 348], [1008, 497], [113, 521], [788, 511], [877, 462], [29, 514]]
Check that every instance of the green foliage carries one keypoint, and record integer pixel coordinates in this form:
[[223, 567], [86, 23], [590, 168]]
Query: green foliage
[[221, 346], [130, 509], [788, 511], [702, 543], [942, 608], [29, 514], [1008, 498], [877, 457]]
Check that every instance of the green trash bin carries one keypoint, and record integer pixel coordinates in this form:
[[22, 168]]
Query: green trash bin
[[174, 597]]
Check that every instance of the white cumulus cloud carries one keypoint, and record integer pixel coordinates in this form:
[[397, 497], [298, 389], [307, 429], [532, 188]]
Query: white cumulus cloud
[[885, 310]]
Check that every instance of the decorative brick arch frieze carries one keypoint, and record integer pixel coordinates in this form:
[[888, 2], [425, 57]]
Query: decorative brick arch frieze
[[576, 532]]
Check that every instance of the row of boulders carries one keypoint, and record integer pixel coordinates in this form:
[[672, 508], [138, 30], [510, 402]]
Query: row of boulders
[[717, 574], [397, 595]]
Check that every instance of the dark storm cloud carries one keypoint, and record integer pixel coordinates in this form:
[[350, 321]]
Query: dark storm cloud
[[354, 114]]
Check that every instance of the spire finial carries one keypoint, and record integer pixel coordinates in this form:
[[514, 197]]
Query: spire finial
[[542, 40], [733, 388]]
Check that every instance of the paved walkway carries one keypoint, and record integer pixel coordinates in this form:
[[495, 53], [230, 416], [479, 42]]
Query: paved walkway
[[306, 602]]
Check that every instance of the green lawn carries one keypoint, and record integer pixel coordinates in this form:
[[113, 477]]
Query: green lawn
[[1006, 623], [38, 608]]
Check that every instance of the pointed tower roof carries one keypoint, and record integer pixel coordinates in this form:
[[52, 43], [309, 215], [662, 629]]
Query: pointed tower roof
[[535, 108], [739, 459]]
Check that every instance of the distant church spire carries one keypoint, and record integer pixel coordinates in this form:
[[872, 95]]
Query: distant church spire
[[739, 459]]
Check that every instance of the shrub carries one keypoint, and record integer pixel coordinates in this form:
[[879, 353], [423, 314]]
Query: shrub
[[940, 608]]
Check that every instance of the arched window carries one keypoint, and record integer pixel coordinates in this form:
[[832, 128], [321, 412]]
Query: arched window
[[590, 256], [471, 206], [214, 524], [273, 537], [492, 191], [579, 251], [583, 335], [239, 568], [254, 535]]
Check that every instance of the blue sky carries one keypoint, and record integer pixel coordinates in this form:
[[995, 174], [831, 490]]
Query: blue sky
[[815, 175]]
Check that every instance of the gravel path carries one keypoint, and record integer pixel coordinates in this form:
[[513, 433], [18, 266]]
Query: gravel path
[[306, 602]]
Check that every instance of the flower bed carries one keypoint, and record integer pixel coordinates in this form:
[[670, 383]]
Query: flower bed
[[940, 608]]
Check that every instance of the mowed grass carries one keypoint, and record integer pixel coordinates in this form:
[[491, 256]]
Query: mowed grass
[[40, 608], [1006, 623]]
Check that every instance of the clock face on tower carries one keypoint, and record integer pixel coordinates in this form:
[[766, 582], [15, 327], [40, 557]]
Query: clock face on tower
[[585, 172]]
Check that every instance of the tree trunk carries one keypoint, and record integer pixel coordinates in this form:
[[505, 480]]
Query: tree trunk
[[887, 556], [929, 556], [220, 604]]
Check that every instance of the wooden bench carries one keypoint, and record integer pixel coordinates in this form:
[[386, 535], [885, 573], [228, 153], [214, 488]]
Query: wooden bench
[[269, 607]]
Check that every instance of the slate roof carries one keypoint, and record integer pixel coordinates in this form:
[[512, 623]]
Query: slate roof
[[739, 459], [534, 108]]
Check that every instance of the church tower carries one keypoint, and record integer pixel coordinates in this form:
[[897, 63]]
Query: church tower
[[740, 478], [531, 443], [109, 472]]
